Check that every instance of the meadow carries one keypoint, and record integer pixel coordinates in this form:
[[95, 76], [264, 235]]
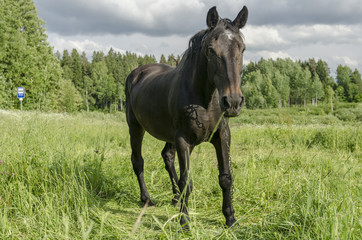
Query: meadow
[[297, 175]]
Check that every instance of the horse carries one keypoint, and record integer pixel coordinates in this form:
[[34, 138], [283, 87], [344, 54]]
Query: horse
[[190, 104]]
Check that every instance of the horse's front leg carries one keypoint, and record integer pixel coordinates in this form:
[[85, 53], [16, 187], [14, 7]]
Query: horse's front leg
[[221, 142], [184, 149]]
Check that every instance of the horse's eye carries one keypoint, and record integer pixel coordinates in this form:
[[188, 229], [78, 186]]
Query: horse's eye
[[212, 51]]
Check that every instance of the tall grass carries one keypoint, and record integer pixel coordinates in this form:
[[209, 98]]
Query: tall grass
[[70, 177]]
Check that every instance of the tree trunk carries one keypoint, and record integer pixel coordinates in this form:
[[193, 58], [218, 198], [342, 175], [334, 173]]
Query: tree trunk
[[86, 100], [331, 104]]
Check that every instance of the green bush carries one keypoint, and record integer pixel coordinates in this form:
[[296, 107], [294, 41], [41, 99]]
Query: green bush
[[345, 114]]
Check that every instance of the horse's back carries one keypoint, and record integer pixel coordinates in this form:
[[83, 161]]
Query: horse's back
[[145, 72]]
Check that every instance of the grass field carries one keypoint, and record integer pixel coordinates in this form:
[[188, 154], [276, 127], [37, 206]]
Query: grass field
[[297, 175]]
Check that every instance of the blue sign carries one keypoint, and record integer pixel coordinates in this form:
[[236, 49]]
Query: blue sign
[[21, 92]]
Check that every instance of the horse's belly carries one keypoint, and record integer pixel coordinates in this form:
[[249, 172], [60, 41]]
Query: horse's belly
[[160, 130]]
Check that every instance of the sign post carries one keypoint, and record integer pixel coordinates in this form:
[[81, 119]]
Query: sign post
[[21, 96]]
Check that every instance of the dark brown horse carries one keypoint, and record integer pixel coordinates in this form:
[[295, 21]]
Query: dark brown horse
[[182, 106]]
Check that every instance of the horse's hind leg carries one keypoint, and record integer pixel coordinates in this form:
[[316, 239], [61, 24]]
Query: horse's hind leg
[[137, 133], [168, 155]]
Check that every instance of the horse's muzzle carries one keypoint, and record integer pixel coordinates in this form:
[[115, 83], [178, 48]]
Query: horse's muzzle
[[231, 104]]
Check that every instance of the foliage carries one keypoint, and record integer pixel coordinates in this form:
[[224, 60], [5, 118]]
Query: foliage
[[101, 82], [283, 82], [351, 83], [26, 59], [70, 99]]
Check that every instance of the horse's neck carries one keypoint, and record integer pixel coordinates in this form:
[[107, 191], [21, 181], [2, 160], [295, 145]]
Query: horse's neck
[[201, 85]]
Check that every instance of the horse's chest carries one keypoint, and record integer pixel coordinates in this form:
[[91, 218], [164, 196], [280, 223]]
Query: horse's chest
[[196, 123]]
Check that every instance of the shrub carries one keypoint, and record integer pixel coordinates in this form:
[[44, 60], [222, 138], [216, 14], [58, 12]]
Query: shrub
[[345, 114]]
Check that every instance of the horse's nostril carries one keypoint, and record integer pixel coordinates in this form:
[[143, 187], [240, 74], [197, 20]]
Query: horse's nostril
[[242, 101], [225, 102]]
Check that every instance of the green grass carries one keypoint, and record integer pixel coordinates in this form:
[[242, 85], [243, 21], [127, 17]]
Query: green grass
[[297, 175]]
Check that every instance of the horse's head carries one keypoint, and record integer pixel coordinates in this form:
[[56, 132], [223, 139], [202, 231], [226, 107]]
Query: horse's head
[[224, 47]]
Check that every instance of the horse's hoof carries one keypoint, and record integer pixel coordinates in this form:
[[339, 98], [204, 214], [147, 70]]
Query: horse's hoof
[[151, 204], [185, 223], [148, 203], [230, 222], [185, 226]]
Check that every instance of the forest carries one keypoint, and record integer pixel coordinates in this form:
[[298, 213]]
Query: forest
[[71, 81]]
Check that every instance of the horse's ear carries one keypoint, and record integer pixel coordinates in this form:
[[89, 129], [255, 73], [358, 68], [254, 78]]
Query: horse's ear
[[212, 18], [242, 18]]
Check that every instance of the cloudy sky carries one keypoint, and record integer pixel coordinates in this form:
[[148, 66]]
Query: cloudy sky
[[322, 29]]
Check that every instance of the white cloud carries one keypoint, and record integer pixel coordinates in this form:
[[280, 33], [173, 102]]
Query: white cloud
[[323, 30], [323, 33], [273, 55], [262, 37], [347, 60], [86, 45], [281, 37], [137, 43]]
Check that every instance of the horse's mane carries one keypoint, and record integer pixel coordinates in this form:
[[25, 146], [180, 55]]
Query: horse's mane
[[194, 48]]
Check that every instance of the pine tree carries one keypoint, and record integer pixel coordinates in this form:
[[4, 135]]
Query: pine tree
[[356, 79], [77, 70], [343, 81], [323, 72], [162, 59]]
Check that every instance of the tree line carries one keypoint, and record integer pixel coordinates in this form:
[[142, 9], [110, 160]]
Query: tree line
[[283, 82], [69, 81], [100, 83]]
